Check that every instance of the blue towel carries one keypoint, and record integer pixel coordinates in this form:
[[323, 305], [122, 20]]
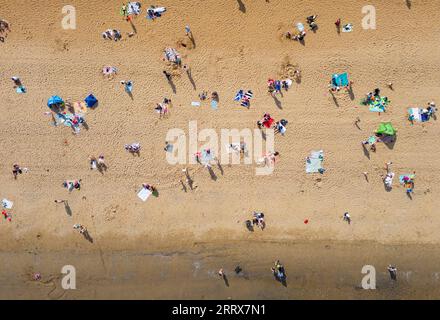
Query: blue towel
[[239, 95]]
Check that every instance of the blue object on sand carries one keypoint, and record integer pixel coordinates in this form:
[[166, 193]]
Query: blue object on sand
[[340, 80], [54, 100], [129, 87], [214, 104], [90, 101], [21, 89]]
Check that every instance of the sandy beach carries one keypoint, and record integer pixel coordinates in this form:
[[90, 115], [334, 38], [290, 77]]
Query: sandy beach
[[236, 46]]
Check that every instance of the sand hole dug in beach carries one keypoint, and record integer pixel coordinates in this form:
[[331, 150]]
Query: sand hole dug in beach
[[287, 69], [62, 45], [185, 43]]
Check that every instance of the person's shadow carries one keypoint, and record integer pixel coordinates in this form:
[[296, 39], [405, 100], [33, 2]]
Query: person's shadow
[[225, 279], [212, 174], [173, 86], [219, 165], [87, 236], [277, 102], [366, 152], [335, 101], [191, 80], [67, 208], [408, 4], [241, 6]]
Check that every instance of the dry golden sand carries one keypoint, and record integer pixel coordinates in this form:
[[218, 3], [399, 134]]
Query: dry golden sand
[[234, 49]]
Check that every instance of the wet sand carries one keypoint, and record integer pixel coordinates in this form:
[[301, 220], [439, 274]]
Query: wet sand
[[314, 271]]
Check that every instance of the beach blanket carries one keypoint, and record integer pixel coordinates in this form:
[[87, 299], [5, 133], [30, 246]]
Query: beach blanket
[[417, 115], [7, 204], [143, 194], [314, 162], [195, 104], [347, 28], [214, 104]]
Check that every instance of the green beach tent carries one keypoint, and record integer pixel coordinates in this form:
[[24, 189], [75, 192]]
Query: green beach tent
[[386, 128]]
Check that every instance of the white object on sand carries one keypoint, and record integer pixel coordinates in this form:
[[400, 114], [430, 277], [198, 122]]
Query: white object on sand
[[7, 204], [144, 193]]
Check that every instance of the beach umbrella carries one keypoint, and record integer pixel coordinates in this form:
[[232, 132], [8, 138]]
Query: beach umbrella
[[91, 101], [54, 100]]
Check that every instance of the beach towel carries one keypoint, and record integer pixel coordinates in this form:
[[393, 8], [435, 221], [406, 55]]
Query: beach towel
[[314, 162], [21, 89], [195, 104], [417, 115], [214, 104], [239, 95], [133, 8], [143, 194], [347, 28], [233, 147], [249, 94], [7, 204]]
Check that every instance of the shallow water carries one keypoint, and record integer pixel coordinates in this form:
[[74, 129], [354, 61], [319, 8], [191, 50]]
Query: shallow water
[[314, 271]]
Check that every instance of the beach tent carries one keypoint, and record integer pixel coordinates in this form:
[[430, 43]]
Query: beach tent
[[91, 101], [54, 101], [386, 128], [340, 80]]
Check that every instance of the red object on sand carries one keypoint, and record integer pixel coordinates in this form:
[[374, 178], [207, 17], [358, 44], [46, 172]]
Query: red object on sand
[[268, 123], [306, 221]]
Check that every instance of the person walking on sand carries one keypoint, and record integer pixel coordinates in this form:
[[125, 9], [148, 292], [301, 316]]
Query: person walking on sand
[[188, 31], [347, 217], [80, 228], [16, 170], [393, 272]]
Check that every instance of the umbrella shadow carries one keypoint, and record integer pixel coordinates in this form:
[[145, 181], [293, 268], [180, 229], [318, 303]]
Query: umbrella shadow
[[351, 93]]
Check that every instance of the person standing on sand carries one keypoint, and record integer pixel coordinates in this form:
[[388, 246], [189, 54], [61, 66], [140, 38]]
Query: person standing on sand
[[347, 217], [393, 272], [188, 31]]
